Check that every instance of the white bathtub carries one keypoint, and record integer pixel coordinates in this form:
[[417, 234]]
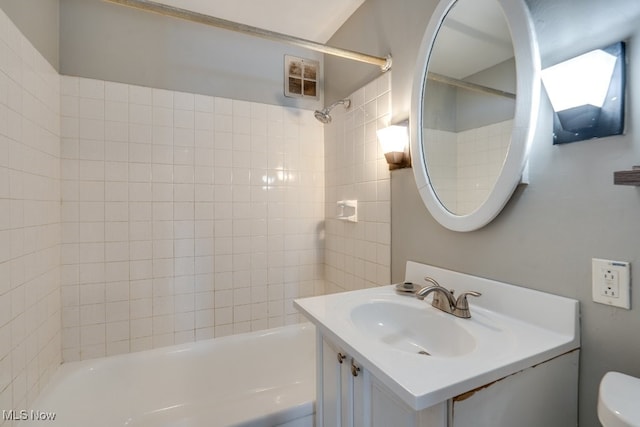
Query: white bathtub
[[264, 378]]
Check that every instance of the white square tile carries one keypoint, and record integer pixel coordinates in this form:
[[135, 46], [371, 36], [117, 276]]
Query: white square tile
[[116, 131], [139, 153], [116, 92], [70, 86], [162, 98], [117, 330], [116, 251], [89, 88], [91, 150], [183, 174], [140, 95], [116, 231], [140, 230], [184, 119], [89, 108], [140, 192], [204, 138], [183, 101], [142, 114], [91, 211], [140, 133], [141, 327], [204, 103], [163, 119], [91, 129], [115, 111]]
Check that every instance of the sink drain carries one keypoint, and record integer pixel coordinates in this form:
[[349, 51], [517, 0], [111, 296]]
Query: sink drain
[[424, 353]]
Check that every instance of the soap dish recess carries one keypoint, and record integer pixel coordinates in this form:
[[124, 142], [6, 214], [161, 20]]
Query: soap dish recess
[[348, 210]]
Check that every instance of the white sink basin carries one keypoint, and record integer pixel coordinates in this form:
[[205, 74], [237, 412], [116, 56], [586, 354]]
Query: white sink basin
[[511, 328], [412, 329]]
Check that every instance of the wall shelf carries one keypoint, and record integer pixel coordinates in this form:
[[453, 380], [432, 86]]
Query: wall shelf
[[631, 177]]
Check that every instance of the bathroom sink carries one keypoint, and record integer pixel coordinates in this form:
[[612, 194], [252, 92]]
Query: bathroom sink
[[426, 356], [412, 329]]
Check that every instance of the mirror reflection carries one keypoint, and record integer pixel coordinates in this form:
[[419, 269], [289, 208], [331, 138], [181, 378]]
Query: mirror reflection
[[469, 104]]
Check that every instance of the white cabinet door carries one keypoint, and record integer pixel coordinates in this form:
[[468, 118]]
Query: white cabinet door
[[329, 385], [387, 409], [361, 395], [344, 390], [349, 396]]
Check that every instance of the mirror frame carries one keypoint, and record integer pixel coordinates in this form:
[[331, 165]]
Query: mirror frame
[[527, 60]]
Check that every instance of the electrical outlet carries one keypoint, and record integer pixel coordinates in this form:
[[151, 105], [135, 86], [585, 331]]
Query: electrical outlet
[[611, 282]]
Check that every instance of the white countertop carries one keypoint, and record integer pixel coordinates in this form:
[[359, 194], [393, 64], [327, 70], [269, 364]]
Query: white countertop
[[514, 328]]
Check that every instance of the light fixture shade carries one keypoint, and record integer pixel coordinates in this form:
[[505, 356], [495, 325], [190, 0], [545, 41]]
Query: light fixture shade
[[583, 80], [394, 141], [587, 94], [393, 138]]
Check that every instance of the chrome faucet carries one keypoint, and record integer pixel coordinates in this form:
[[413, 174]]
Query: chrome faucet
[[449, 304]]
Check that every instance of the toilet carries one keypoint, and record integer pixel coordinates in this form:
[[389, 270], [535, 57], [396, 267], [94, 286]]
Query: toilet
[[618, 400]]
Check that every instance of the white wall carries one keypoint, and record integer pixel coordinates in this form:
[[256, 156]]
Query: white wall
[[29, 219], [184, 216], [358, 255]]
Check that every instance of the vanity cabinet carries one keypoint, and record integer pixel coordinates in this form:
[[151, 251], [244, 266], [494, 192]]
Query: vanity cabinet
[[344, 385], [350, 396], [405, 363]]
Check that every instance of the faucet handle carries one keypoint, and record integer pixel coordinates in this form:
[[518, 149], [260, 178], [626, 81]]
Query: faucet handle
[[462, 305], [431, 280]]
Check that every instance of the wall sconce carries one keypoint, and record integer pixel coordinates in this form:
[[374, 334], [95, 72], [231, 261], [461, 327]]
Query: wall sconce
[[587, 95], [394, 141]]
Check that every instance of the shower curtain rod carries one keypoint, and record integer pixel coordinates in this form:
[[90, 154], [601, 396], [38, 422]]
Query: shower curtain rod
[[469, 86], [151, 6]]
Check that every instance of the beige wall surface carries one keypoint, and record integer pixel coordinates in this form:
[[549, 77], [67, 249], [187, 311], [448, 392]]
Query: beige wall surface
[[30, 226], [95, 39], [110, 42], [39, 21], [569, 213]]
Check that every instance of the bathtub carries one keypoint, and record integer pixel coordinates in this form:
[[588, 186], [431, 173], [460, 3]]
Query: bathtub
[[264, 378]]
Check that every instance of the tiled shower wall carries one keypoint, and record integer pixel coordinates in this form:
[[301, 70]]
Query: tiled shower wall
[[29, 219], [358, 255], [184, 216]]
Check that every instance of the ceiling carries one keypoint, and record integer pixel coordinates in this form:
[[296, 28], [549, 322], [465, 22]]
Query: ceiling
[[307, 19]]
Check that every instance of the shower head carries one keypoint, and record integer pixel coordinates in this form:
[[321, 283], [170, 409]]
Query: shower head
[[323, 115]]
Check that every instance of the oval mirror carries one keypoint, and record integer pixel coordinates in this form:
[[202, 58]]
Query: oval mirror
[[475, 102]]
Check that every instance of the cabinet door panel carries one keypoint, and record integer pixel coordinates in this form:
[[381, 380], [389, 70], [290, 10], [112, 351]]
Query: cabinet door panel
[[346, 393], [331, 386], [387, 410], [362, 398]]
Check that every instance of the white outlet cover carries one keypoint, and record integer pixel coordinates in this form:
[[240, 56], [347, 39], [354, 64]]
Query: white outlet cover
[[615, 291]]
